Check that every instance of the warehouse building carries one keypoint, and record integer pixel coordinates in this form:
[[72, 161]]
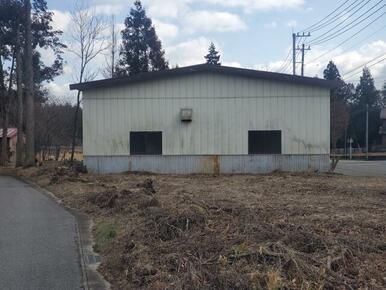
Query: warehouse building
[[206, 119]]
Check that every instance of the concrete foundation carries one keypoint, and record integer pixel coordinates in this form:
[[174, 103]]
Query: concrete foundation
[[208, 164]]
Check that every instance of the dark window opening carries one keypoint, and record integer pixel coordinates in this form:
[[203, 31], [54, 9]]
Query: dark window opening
[[264, 142], [145, 143]]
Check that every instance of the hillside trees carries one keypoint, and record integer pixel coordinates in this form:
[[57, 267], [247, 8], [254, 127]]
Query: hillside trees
[[348, 108], [55, 123]]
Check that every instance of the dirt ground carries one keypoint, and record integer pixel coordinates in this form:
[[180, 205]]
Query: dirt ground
[[277, 231]]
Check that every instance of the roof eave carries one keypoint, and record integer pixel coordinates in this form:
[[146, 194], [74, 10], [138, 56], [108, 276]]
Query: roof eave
[[203, 68]]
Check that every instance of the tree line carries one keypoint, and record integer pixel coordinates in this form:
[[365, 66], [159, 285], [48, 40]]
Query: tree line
[[349, 104], [26, 30]]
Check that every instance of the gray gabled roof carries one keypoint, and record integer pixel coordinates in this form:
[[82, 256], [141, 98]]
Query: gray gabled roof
[[242, 72]]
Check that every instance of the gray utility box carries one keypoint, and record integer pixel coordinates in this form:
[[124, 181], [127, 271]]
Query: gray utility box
[[186, 115]]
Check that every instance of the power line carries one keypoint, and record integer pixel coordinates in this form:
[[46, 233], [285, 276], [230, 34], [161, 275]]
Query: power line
[[367, 37], [351, 37], [328, 38], [312, 26], [357, 78], [328, 23], [285, 61], [350, 74], [362, 65], [342, 22]]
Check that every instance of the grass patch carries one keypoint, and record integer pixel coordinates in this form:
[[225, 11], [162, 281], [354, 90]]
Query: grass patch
[[105, 232]]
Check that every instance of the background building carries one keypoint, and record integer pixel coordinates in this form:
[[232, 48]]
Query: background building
[[206, 119], [11, 143]]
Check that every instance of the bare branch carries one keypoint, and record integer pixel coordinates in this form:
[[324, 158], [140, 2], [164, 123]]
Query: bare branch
[[87, 36], [88, 42]]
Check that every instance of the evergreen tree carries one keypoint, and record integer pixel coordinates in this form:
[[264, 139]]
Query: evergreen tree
[[343, 91], [339, 109], [331, 72], [366, 94], [213, 56], [383, 95], [141, 50]]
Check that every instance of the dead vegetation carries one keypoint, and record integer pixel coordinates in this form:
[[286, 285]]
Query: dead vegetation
[[278, 231]]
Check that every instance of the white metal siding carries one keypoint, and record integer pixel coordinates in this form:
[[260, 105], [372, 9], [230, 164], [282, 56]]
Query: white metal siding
[[224, 109]]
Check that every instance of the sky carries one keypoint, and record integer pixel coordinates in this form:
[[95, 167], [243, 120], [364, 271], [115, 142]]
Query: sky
[[253, 34]]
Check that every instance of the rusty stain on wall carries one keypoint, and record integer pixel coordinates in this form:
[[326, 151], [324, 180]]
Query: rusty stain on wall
[[216, 164]]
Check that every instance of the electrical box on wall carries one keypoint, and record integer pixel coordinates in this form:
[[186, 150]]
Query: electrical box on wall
[[186, 115]]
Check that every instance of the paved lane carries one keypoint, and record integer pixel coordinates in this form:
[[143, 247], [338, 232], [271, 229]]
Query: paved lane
[[361, 168], [38, 241]]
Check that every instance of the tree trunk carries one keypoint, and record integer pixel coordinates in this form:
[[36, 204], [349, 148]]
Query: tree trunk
[[29, 90], [5, 116], [74, 132], [4, 141], [3, 104], [2, 96], [19, 79]]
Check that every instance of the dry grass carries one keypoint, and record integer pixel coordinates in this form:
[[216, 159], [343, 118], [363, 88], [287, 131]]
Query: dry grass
[[278, 231]]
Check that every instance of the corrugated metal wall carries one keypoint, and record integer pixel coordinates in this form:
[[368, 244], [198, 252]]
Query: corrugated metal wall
[[224, 109], [183, 164]]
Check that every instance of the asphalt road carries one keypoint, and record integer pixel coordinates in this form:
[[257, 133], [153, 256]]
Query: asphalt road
[[361, 168], [38, 241]]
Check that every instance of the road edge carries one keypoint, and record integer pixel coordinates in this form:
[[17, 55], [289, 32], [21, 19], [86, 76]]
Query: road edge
[[89, 260]]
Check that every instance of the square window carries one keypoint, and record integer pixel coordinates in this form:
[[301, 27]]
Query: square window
[[264, 142], [145, 143]]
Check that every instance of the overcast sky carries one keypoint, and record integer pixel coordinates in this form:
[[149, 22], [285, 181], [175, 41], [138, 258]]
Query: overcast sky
[[249, 33]]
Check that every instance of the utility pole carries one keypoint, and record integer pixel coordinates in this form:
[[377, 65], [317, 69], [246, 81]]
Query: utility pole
[[367, 131], [113, 46], [303, 49], [294, 53], [295, 36]]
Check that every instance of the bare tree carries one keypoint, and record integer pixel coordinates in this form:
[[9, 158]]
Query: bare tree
[[55, 125], [87, 35], [109, 70], [29, 89]]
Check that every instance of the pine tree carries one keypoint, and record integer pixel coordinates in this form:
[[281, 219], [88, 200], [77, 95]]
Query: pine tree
[[331, 72], [383, 95], [213, 56], [366, 94], [339, 109], [343, 91], [141, 49]]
